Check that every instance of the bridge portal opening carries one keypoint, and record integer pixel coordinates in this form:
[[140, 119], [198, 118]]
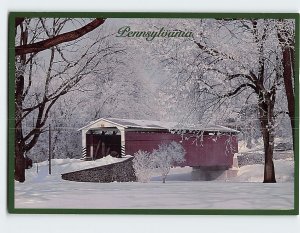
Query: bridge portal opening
[[103, 142]]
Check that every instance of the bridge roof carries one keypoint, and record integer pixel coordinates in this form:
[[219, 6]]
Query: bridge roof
[[158, 125]]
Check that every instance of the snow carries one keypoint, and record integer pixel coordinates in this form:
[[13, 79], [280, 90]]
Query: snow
[[246, 191], [284, 170], [149, 124], [252, 173], [60, 166], [176, 194]]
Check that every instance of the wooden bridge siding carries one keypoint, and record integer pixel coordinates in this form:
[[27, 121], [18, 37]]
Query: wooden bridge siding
[[212, 152]]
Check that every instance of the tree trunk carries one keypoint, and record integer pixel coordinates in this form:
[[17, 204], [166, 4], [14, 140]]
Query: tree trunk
[[19, 140], [19, 90], [266, 118], [287, 58], [19, 161], [269, 170]]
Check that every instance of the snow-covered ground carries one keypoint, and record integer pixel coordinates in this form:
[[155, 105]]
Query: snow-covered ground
[[284, 170], [245, 191], [60, 166]]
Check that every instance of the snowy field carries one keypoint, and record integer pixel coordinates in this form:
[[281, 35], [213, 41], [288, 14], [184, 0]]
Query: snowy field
[[245, 191]]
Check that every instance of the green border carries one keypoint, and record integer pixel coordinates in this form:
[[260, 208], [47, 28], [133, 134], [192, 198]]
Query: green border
[[11, 109]]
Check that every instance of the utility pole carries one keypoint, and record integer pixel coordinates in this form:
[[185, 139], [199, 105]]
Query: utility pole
[[49, 158]]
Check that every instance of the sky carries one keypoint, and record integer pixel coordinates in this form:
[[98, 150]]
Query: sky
[[117, 223]]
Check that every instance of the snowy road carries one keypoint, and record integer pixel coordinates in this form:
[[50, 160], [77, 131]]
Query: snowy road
[[173, 194]]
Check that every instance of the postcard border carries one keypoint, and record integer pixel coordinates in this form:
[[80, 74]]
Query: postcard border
[[11, 109]]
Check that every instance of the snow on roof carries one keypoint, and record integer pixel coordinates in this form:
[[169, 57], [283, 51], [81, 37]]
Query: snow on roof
[[163, 125]]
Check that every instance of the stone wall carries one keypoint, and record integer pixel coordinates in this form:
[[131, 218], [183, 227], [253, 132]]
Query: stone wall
[[120, 172]]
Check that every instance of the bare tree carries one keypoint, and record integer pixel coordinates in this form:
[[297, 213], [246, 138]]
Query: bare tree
[[49, 64], [264, 80], [256, 80], [235, 60]]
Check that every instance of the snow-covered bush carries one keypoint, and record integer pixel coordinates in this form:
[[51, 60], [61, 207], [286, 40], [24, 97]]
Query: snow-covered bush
[[166, 156], [143, 166], [160, 161]]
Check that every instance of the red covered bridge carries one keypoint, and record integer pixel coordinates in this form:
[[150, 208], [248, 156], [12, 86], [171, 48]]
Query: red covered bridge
[[207, 146]]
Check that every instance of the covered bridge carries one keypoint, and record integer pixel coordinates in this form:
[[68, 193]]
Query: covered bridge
[[205, 146]]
